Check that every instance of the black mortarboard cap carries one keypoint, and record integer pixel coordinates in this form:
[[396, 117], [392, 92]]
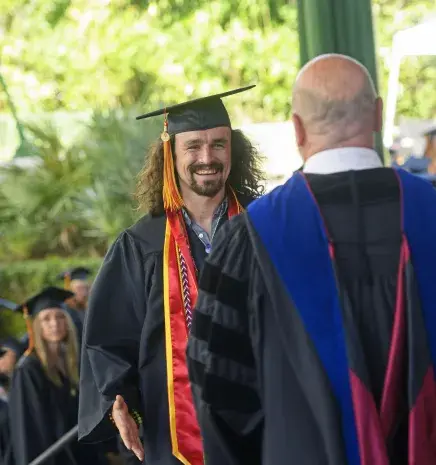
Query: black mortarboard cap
[[76, 273], [50, 297], [197, 115]]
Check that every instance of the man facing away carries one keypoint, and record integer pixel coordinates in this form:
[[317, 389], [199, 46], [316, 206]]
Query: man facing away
[[314, 335], [140, 311]]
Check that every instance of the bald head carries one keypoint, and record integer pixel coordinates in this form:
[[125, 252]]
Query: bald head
[[335, 104]]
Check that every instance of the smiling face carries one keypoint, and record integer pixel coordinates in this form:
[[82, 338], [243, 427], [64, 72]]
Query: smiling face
[[203, 160], [53, 324]]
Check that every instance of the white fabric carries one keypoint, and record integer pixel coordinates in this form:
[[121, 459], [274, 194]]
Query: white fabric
[[342, 159]]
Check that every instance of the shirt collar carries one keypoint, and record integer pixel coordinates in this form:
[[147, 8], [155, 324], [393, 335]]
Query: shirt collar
[[342, 159], [218, 213]]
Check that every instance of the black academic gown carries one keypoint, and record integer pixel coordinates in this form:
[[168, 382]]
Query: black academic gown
[[261, 392], [6, 456], [124, 340], [78, 317], [40, 413]]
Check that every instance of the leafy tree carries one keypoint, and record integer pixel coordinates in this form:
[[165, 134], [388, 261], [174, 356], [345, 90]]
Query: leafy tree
[[418, 74], [75, 197], [80, 54]]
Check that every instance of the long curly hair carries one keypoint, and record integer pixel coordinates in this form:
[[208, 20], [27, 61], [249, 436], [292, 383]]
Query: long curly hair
[[245, 176]]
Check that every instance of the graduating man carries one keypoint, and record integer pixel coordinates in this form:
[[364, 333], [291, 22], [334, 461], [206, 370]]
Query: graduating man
[[314, 335], [133, 361]]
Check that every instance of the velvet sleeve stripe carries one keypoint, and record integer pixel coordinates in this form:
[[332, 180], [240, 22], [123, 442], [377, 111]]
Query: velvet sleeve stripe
[[222, 341], [201, 326], [227, 290], [230, 344], [227, 395], [205, 362]]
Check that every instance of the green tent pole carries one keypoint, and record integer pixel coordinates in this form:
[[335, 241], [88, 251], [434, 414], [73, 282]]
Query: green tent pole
[[338, 26]]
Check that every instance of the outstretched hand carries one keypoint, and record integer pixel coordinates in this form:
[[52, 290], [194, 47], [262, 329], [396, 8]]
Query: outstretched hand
[[127, 427]]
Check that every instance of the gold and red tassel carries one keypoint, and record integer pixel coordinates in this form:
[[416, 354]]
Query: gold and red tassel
[[172, 199]]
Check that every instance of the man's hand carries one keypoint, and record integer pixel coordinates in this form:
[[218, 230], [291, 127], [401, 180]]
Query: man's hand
[[127, 427]]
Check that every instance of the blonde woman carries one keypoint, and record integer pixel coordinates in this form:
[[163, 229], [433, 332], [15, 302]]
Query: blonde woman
[[44, 399]]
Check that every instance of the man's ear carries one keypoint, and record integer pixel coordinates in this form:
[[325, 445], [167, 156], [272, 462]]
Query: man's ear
[[378, 119], [300, 132]]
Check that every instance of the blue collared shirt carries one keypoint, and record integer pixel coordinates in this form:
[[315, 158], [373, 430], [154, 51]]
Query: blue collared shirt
[[200, 232]]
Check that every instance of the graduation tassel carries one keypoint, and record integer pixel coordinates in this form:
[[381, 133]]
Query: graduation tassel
[[67, 281], [171, 196], [29, 328]]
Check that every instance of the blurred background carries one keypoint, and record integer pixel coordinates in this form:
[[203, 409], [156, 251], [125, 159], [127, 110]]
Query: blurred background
[[75, 73]]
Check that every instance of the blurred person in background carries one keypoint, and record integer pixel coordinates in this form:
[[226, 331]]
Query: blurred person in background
[[425, 166], [43, 402], [76, 280], [430, 151], [10, 351]]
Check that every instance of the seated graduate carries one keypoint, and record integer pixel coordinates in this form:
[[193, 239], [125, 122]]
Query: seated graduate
[[43, 402], [76, 280]]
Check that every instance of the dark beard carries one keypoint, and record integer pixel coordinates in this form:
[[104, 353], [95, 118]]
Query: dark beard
[[208, 188]]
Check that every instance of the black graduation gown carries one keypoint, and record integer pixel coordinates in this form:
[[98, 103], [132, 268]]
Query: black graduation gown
[[6, 456], [249, 356], [40, 413], [124, 339], [78, 317]]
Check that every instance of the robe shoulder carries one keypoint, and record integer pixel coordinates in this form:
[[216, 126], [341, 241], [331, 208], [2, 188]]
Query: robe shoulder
[[29, 374], [28, 363], [149, 232]]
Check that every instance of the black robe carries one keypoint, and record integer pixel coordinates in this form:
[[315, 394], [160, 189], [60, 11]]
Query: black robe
[[124, 339], [78, 317], [261, 393], [6, 456], [40, 413]]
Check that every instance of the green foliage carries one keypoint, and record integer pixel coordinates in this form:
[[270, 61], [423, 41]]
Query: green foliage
[[22, 279], [77, 196], [418, 74], [79, 54]]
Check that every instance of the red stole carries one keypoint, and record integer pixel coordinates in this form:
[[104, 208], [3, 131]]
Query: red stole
[[180, 295]]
